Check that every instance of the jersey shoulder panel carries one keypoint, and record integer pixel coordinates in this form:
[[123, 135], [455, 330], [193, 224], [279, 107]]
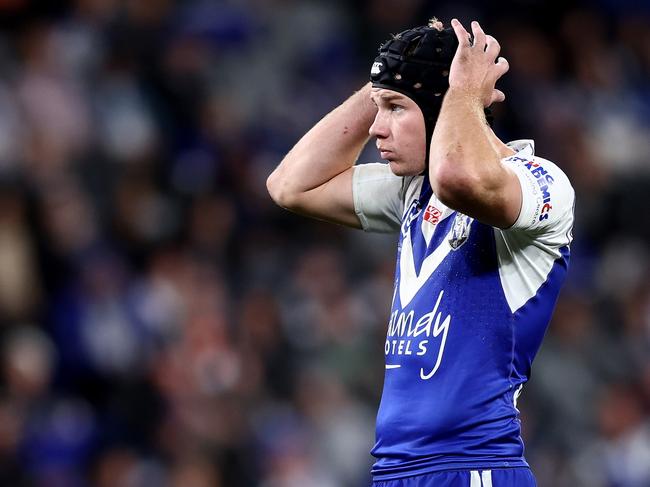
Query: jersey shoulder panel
[[378, 196]]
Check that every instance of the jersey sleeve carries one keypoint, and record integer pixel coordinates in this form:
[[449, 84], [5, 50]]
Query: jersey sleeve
[[378, 198], [538, 242], [547, 200]]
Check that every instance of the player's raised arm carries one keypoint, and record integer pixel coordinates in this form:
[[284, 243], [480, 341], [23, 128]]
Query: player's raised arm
[[465, 168], [315, 177]]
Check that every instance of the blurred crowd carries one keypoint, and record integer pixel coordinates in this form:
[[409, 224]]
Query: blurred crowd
[[162, 323]]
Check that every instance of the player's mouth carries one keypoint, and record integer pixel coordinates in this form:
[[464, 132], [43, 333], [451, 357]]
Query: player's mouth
[[385, 154]]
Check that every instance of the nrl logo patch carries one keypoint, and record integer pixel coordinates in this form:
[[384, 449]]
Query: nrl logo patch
[[432, 215], [376, 67], [460, 231]]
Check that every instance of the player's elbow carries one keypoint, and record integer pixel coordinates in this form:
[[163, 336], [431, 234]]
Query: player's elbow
[[278, 187], [274, 185], [453, 187]]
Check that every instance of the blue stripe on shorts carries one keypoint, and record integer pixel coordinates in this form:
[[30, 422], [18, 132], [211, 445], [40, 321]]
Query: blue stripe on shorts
[[501, 477]]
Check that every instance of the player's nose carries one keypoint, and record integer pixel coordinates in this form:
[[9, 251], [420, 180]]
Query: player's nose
[[379, 127]]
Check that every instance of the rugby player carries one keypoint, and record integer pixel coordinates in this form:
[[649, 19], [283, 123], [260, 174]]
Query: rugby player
[[484, 229]]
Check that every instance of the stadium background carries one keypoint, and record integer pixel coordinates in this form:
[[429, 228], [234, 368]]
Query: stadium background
[[162, 323]]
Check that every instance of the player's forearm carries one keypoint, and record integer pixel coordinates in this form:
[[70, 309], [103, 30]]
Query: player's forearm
[[329, 148], [463, 161]]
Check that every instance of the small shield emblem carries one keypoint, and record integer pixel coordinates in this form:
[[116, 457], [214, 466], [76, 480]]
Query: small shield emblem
[[460, 230]]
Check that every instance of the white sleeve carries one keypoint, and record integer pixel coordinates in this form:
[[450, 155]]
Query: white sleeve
[[547, 200], [378, 200], [528, 250]]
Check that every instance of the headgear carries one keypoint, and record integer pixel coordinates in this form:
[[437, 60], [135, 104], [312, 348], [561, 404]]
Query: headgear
[[416, 63]]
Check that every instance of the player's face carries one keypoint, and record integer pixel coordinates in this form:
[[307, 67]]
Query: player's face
[[400, 133]]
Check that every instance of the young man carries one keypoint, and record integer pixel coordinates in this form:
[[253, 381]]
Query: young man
[[484, 232]]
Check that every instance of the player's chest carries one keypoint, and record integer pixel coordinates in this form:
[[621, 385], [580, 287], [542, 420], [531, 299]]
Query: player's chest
[[427, 225], [437, 246]]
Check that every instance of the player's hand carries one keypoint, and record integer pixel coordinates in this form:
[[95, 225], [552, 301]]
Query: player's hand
[[476, 66]]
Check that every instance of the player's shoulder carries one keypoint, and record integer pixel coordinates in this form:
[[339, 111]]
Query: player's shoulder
[[378, 196], [368, 173], [541, 168]]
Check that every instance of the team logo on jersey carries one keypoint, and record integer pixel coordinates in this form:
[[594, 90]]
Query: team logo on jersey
[[460, 230], [432, 214], [376, 67]]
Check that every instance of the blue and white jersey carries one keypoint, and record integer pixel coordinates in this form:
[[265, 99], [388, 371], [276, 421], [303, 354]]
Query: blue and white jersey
[[470, 308]]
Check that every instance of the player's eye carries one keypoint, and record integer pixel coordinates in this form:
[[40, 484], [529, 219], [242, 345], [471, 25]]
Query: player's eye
[[395, 108]]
